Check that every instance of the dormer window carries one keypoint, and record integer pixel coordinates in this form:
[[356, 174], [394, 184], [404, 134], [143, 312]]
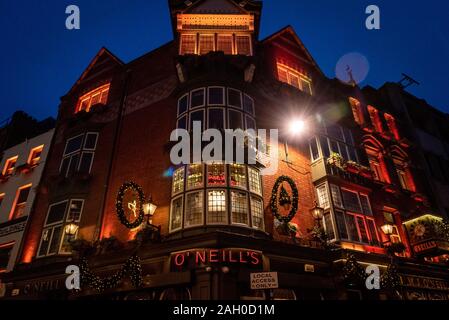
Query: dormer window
[[92, 98], [203, 43], [294, 78]]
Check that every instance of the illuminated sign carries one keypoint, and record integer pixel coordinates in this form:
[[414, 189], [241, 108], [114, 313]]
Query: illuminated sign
[[211, 256], [424, 283], [424, 246]]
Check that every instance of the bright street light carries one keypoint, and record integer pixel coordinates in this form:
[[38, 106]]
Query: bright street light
[[297, 127]]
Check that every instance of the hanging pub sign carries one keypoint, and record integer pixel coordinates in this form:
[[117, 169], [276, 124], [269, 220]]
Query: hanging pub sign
[[197, 257], [129, 205]]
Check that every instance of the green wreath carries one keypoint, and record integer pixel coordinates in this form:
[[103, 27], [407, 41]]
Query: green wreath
[[274, 199], [119, 205]]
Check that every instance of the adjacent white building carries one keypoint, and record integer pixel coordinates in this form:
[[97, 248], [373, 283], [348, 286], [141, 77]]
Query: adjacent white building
[[21, 170]]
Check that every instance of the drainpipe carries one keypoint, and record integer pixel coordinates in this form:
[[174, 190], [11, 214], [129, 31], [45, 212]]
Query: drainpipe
[[118, 127]]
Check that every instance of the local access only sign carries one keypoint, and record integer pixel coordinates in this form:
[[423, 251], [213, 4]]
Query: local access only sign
[[264, 280]]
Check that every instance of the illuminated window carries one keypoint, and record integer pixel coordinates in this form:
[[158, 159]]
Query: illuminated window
[[257, 213], [216, 174], [356, 110], [20, 202], [239, 208], [294, 78], [194, 176], [194, 209], [391, 122], [323, 198], [243, 45], [10, 166], [5, 255], [395, 237], [224, 43], [237, 175], [207, 43], [254, 181], [94, 97], [176, 214], [79, 154], [188, 44], [178, 180], [61, 215], [362, 229], [2, 196], [216, 207], [35, 155]]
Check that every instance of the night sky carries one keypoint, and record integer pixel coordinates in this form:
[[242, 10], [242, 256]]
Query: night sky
[[41, 59]]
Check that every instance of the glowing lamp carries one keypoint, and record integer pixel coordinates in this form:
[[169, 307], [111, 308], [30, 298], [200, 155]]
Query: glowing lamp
[[149, 208], [297, 127], [71, 229], [387, 229], [317, 212]]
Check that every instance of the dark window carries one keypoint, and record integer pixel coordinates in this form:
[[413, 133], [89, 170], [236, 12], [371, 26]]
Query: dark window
[[329, 228], [183, 104], [248, 104], [235, 120], [362, 228], [91, 141], [216, 96], [250, 123], [324, 147], [182, 123], [5, 253], [216, 119], [197, 98], [314, 149], [86, 162], [234, 98], [56, 213], [196, 116], [74, 144], [341, 224]]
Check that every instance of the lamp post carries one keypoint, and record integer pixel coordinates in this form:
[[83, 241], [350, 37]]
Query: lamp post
[[387, 229], [149, 208], [317, 213]]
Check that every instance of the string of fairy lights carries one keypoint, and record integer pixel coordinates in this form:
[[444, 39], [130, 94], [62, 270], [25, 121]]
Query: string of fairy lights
[[284, 199]]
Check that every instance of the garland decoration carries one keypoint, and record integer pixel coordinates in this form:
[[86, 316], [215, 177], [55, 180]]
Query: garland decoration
[[283, 199], [139, 210], [132, 268], [390, 279]]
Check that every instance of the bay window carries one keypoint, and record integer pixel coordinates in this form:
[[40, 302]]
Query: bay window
[[257, 213], [254, 181], [216, 174], [178, 181], [194, 176], [237, 175], [54, 239], [194, 209], [239, 208], [176, 214], [216, 207], [323, 197]]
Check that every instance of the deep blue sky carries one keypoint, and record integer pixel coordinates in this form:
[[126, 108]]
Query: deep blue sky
[[40, 59]]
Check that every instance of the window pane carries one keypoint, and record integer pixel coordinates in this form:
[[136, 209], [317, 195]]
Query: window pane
[[343, 151], [224, 44], [176, 214], [352, 228], [86, 162], [178, 180], [55, 240], [314, 149], [188, 43], [197, 99], [323, 199], [216, 96], [206, 43], [73, 145], [254, 181], [23, 195], [56, 213], [243, 45], [239, 203], [294, 80], [339, 216], [182, 123], [238, 175], [45, 241], [4, 257], [194, 209], [334, 131], [235, 120], [216, 119], [372, 231], [197, 116], [65, 166], [257, 213], [250, 123], [364, 200], [306, 86], [325, 147], [351, 201], [329, 226], [352, 154], [91, 141], [362, 228], [73, 164], [66, 246], [194, 176], [248, 104], [216, 207], [334, 147], [282, 75], [348, 136], [75, 210], [183, 104], [216, 174], [234, 98], [336, 196]]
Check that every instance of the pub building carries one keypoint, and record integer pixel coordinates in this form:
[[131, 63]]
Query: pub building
[[350, 190]]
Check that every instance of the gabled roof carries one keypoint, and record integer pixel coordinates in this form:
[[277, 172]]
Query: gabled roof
[[100, 56], [289, 33], [215, 7]]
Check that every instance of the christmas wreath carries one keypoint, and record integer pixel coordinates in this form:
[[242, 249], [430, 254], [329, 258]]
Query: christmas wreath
[[284, 199], [139, 210]]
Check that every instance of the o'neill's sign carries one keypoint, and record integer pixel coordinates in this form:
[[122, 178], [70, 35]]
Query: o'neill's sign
[[214, 256]]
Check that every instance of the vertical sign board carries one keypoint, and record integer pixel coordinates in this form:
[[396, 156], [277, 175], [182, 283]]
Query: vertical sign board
[[264, 280]]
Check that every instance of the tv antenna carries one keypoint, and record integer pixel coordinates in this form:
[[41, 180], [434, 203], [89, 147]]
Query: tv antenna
[[407, 81]]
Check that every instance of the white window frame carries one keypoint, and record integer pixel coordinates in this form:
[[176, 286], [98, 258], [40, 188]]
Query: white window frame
[[191, 107], [326, 193], [226, 210], [223, 90], [80, 152]]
